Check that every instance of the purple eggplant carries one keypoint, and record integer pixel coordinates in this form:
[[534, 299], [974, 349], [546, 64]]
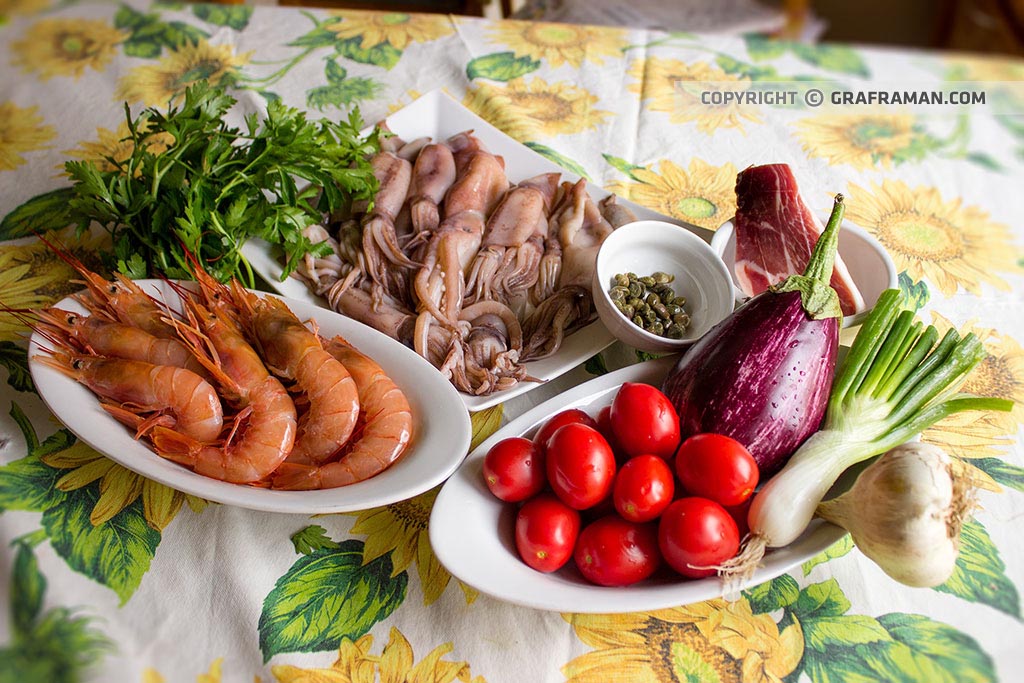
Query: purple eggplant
[[763, 375]]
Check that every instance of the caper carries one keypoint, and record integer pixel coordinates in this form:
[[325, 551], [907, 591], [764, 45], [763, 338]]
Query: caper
[[631, 275], [674, 331], [652, 299], [649, 315], [618, 293], [681, 319], [662, 278], [638, 321], [636, 289], [673, 310], [656, 328], [627, 310], [634, 302], [679, 301], [668, 296], [661, 311], [621, 280], [647, 281]]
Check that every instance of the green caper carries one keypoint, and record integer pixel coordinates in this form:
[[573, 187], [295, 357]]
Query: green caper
[[663, 278], [649, 315], [674, 331], [679, 301], [681, 319], [631, 275], [673, 310], [627, 310], [661, 311], [638, 321], [647, 281], [668, 296], [636, 289], [621, 280], [652, 299], [618, 293], [634, 302], [656, 328]]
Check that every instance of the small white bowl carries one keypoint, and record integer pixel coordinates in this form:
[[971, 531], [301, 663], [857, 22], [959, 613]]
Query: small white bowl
[[646, 247], [869, 264]]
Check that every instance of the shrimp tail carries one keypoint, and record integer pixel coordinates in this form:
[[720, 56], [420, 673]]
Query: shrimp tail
[[175, 446], [296, 477]]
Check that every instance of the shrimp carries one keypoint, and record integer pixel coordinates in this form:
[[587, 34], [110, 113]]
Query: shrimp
[[386, 431], [268, 412], [294, 353], [181, 398], [102, 337]]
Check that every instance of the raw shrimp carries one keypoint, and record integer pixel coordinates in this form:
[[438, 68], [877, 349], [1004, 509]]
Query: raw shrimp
[[102, 337], [267, 410], [294, 353], [181, 399], [386, 430]]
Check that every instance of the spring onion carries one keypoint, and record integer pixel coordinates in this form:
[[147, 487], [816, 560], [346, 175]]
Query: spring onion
[[894, 383]]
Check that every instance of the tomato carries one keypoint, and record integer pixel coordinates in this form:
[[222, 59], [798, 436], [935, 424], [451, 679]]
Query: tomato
[[604, 425], [643, 488], [740, 514], [514, 469], [546, 532], [580, 466], [559, 420], [644, 421], [697, 532], [614, 552], [717, 467]]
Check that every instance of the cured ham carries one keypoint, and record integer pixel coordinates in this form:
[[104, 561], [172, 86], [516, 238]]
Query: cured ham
[[775, 233]]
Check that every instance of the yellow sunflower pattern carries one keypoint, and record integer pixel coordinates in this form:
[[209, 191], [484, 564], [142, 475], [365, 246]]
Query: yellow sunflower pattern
[[115, 146], [397, 28], [862, 141], [715, 640], [559, 44], [674, 87], [158, 85], [22, 129], [944, 242], [67, 47], [529, 109], [700, 194]]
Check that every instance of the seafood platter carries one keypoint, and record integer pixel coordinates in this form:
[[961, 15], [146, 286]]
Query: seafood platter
[[463, 269]]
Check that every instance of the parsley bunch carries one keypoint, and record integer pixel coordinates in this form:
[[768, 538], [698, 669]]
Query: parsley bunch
[[215, 186]]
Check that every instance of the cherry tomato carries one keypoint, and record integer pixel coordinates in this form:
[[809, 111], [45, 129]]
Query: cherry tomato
[[644, 421], [580, 466], [614, 552], [546, 532], [554, 423], [604, 425], [717, 467], [697, 532], [739, 514], [643, 488], [514, 469]]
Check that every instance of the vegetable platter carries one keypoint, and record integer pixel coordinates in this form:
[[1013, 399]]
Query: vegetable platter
[[441, 428], [438, 116], [471, 531]]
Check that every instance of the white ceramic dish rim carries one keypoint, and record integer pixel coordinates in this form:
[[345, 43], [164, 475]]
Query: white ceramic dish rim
[[464, 529], [720, 241], [697, 244], [443, 429], [438, 115]]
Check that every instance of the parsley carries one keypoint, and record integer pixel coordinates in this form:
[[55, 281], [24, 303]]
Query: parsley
[[215, 186]]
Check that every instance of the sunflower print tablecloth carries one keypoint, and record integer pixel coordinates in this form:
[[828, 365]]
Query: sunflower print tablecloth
[[110, 577]]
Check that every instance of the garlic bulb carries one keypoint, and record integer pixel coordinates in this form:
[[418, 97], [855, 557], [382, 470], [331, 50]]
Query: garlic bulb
[[905, 512]]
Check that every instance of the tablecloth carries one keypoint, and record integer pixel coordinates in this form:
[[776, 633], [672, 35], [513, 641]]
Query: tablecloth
[[110, 577]]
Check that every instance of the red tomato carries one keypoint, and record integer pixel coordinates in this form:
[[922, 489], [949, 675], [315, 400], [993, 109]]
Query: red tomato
[[580, 466], [546, 532], [644, 421], [643, 488], [604, 425], [697, 532], [717, 467], [739, 514], [614, 552], [554, 423], [514, 469]]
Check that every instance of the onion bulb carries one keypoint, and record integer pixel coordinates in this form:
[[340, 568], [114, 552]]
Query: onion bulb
[[905, 512]]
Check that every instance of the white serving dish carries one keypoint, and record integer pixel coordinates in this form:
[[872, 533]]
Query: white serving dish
[[441, 433], [472, 532], [870, 265], [438, 116], [646, 247]]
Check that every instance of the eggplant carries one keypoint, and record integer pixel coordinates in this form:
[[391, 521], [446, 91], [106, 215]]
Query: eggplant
[[763, 375]]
